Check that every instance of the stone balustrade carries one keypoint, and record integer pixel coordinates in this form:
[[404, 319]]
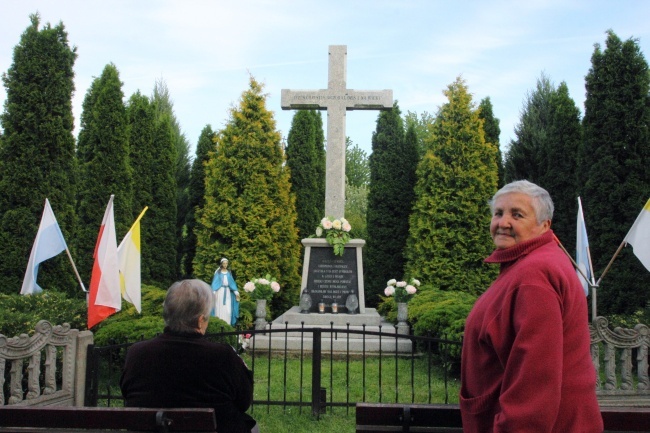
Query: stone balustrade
[[47, 368], [621, 359]]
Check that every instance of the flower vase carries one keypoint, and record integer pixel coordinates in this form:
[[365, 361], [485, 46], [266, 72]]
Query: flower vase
[[402, 316], [260, 314]]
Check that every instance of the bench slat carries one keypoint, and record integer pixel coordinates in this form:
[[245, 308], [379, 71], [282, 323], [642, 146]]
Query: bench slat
[[389, 417], [109, 418]]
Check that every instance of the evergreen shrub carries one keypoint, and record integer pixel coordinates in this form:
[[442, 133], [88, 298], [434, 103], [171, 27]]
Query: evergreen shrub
[[20, 314], [434, 312]]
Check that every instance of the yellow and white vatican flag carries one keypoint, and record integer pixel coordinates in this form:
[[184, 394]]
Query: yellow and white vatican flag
[[129, 258]]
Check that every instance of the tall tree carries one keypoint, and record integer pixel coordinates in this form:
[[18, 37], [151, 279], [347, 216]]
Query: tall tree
[[160, 236], [37, 153], [449, 236], [549, 134], [305, 157], [165, 108], [357, 178], [141, 121], [390, 198], [103, 155], [492, 133], [613, 163], [196, 195], [249, 214], [422, 126]]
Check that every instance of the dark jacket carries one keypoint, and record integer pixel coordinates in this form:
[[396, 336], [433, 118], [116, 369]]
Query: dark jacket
[[187, 370]]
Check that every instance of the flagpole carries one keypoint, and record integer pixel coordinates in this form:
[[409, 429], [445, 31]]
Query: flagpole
[[140, 216], [75, 270], [609, 265]]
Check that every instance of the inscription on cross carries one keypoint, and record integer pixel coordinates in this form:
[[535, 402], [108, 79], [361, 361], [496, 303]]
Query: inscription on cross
[[336, 99]]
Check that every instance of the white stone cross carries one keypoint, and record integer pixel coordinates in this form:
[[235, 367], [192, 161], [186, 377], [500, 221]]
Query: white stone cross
[[336, 99]]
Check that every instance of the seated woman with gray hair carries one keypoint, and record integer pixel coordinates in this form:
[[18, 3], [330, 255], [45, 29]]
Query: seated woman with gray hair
[[180, 368]]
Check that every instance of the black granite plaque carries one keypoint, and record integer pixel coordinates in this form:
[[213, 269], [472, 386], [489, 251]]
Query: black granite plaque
[[332, 278]]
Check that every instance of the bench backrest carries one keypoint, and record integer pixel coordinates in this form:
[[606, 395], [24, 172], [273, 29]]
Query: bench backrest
[[372, 417], [107, 418]]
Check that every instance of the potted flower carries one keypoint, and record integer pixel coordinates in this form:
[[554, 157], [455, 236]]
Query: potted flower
[[261, 290], [402, 292], [336, 231]]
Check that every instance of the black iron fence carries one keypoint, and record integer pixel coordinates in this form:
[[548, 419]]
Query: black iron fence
[[316, 368]]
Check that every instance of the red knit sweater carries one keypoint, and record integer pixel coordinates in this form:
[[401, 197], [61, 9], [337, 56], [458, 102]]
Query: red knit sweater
[[526, 364]]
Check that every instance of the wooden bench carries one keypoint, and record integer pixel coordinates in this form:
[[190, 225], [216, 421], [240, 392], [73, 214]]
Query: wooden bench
[[28, 419], [445, 418]]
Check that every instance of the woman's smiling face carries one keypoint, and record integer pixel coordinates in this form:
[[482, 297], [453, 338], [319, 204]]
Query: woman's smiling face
[[514, 220]]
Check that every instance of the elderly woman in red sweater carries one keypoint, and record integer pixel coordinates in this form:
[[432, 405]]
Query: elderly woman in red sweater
[[526, 364]]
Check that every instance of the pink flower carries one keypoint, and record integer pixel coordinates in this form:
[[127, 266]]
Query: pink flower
[[401, 284], [275, 286], [327, 224], [411, 290], [346, 227], [388, 291], [249, 287], [263, 281]]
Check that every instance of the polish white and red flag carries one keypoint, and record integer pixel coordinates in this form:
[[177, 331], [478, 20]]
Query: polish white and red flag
[[105, 295]]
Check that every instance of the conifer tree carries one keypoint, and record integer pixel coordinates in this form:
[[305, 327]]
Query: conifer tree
[[449, 235], [545, 152], [304, 158], [159, 238], [390, 198], [249, 214], [141, 121], [613, 163], [357, 178], [196, 194], [492, 133], [103, 155], [37, 154], [165, 107]]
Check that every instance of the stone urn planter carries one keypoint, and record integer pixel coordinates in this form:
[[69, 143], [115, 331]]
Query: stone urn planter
[[260, 314], [402, 317]]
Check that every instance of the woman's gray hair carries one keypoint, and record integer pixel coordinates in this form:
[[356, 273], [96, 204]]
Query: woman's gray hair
[[541, 199], [186, 301]]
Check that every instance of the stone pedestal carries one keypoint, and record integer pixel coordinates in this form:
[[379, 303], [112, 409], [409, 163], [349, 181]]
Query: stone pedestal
[[329, 278]]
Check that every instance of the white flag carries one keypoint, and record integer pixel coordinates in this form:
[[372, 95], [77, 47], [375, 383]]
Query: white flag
[[639, 236], [129, 257], [48, 243], [582, 251]]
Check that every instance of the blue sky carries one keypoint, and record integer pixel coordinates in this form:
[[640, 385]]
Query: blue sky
[[205, 50]]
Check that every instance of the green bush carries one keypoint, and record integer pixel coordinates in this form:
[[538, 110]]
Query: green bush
[[128, 325], [434, 312], [20, 314]]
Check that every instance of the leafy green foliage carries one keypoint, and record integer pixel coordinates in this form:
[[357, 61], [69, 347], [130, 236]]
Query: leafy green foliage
[[613, 166], [357, 178], [20, 314], [390, 197], [37, 154], [492, 133], [442, 314], [180, 170], [159, 234], [196, 195], [546, 149], [249, 215], [306, 160], [103, 154], [422, 126], [449, 236], [357, 168]]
